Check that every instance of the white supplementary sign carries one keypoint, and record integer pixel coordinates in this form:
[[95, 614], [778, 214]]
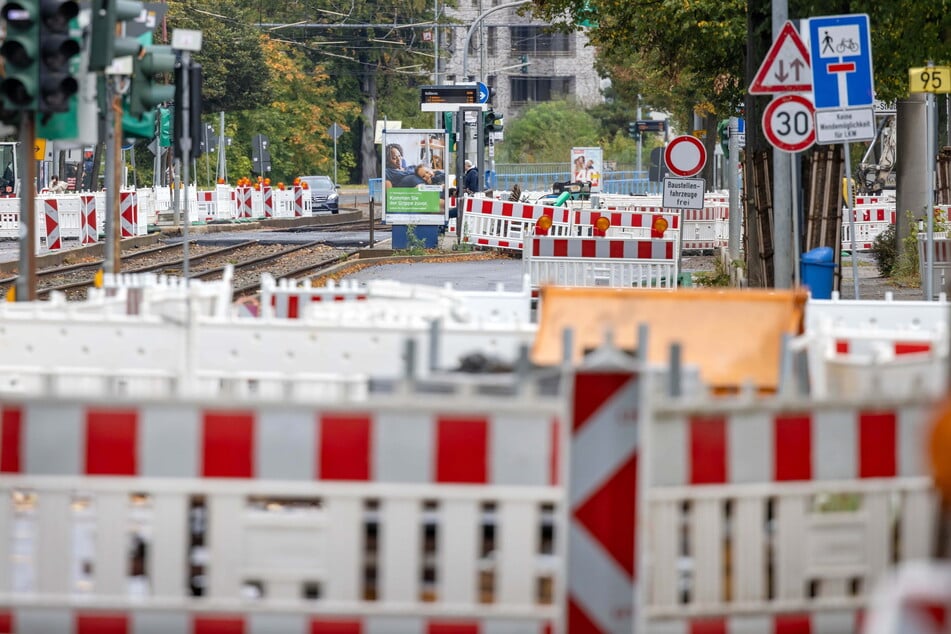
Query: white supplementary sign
[[788, 123], [843, 126], [685, 155], [683, 193], [785, 67]]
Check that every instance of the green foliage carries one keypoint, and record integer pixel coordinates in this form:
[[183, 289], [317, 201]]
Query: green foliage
[[546, 132], [414, 244], [885, 251], [718, 277]]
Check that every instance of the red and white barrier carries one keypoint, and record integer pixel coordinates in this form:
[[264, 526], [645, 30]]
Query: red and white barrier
[[51, 224], [837, 490], [612, 262], [267, 200], [89, 233], [128, 214], [506, 225]]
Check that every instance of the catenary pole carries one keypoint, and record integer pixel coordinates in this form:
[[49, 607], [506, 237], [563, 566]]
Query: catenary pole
[[782, 189]]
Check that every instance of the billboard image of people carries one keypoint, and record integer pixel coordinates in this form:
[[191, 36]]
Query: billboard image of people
[[414, 177], [587, 166]]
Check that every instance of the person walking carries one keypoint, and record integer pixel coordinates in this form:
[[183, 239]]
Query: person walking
[[471, 179]]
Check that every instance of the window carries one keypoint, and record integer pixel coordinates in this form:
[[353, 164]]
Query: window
[[490, 40], [536, 40], [527, 89]]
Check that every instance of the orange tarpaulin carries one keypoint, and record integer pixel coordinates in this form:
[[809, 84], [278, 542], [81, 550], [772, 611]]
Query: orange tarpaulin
[[733, 336]]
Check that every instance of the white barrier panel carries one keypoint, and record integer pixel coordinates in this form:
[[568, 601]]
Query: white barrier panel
[[628, 224], [870, 221], [779, 515], [941, 269], [616, 263], [506, 225], [410, 516]]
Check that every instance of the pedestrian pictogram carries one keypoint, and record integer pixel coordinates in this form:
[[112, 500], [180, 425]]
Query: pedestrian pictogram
[[785, 67]]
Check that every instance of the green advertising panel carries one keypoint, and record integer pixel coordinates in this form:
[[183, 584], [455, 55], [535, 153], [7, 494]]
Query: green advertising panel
[[415, 180]]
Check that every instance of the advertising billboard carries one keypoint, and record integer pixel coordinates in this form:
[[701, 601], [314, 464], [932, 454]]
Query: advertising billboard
[[587, 166], [414, 177]]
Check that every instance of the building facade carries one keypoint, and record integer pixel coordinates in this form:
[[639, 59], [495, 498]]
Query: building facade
[[520, 58]]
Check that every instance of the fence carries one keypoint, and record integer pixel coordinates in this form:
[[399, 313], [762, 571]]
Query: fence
[[540, 176]]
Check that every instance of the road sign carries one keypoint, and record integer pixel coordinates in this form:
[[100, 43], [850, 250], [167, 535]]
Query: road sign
[[483, 92], [935, 79], [335, 130], [683, 193], [840, 50], [788, 123], [785, 67], [685, 155], [845, 126], [650, 125]]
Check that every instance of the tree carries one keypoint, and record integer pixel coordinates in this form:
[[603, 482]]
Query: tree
[[546, 132]]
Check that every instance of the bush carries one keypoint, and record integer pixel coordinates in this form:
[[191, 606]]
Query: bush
[[885, 251]]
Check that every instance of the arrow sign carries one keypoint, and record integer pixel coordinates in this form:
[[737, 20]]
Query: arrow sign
[[786, 66], [483, 92]]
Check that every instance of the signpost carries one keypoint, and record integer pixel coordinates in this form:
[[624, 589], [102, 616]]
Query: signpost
[[685, 156], [788, 123], [335, 130]]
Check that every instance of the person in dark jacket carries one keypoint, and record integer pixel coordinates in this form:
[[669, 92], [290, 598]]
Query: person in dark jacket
[[471, 179]]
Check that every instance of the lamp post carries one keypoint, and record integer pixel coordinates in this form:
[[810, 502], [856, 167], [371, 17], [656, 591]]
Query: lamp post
[[472, 28]]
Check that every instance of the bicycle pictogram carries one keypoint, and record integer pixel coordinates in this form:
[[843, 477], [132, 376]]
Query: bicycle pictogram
[[847, 44]]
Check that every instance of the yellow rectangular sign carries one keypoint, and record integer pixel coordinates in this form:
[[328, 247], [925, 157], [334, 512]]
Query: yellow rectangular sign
[[930, 79], [39, 149]]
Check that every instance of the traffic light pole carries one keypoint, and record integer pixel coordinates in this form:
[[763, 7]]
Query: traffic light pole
[[185, 141], [113, 147], [26, 281]]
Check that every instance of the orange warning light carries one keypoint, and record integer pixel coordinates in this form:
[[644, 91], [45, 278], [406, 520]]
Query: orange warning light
[[297, 181], [267, 181], [658, 227], [221, 181], [304, 185], [939, 450], [542, 225], [280, 186], [602, 224]]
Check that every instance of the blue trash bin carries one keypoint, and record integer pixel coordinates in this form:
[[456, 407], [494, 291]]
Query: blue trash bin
[[817, 268]]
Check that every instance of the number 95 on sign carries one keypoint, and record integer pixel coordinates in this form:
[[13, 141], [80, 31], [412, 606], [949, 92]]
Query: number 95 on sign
[[788, 123], [930, 79]]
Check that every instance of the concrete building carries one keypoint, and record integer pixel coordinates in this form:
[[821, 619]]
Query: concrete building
[[518, 57]]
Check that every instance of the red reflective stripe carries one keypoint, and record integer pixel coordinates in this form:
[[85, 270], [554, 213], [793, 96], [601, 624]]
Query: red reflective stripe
[[669, 250], [111, 623], [589, 248], [507, 209], [345, 446], [536, 247], [878, 444], [600, 513], [462, 446], [218, 625], [616, 248], [111, 442], [792, 447], [792, 624], [6, 623], [335, 626], [645, 249], [579, 622], [228, 444], [11, 426], [559, 248], [708, 626], [707, 450], [841, 346], [293, 306], [911, 347]]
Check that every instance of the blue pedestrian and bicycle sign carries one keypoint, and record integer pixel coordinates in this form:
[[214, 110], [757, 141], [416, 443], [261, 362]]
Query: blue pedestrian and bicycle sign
[[841, 53]]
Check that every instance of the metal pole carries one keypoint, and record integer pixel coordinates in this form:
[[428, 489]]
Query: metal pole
[[637, 174], [335, 159], [794, 207], [735, 221], [186, 145], [782, 208], [222, 161], [849, 202], [26, 280], [113, 123], [929, 212]]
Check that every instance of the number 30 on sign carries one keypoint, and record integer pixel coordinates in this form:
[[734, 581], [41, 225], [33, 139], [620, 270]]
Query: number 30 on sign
[[930, 79], [788, 123]]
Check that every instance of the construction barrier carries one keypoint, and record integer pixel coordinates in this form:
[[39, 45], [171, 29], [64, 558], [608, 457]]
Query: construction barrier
[[870, 221], [941, 269], [506, 225], [50, 224], [610, 262], [89, 225]]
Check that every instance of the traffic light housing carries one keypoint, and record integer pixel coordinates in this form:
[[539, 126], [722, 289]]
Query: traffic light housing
[[195, 128], [146, 93], [57, 50], [20, 51], [106, 45], [491, 122], [633, 131]]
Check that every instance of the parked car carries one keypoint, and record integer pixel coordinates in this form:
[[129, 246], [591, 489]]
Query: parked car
[[324, 193]]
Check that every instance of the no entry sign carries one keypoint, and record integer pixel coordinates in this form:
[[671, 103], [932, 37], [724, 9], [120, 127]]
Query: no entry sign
[[685, 155]]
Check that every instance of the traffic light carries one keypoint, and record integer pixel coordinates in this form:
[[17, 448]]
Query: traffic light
[[633, 131], [57, 49], [145, 92], [20, 52], [448, 124], [195, 130], [491, 122], [106, 45]]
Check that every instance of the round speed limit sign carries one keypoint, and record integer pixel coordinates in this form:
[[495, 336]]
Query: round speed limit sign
[[788, 122]]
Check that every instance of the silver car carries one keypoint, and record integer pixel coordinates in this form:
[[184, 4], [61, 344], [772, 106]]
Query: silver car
[[323, 193]]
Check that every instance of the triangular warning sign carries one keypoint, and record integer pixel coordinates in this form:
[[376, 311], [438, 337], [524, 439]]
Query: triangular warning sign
[[786, 67]]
